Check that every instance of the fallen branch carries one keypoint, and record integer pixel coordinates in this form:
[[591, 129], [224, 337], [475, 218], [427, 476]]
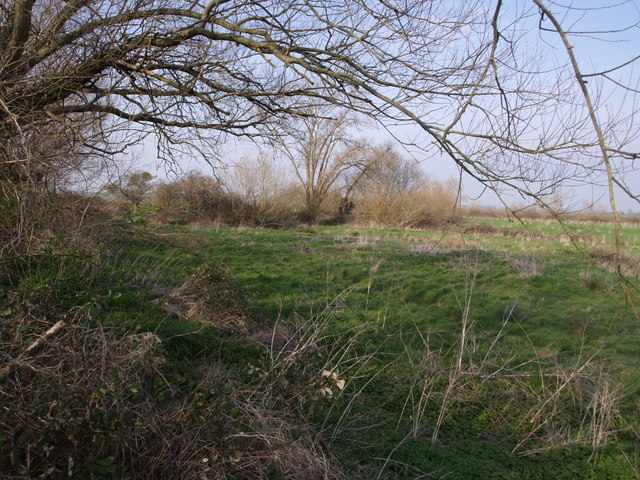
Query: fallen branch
[[31, 349]]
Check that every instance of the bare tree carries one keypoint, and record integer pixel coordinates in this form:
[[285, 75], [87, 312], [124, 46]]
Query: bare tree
[[606, 152], [322, 154], [262, 182], [390, 174], [465, 73], [197, 197]]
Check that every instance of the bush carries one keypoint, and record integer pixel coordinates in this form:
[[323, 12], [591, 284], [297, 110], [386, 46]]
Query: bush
[[428, 205], [197, 198], [394, 192]]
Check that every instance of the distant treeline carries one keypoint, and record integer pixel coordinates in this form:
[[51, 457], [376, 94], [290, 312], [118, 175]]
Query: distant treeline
[[263, 199]]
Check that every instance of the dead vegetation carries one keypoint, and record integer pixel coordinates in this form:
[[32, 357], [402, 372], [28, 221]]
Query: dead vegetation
[[490, 230], [81, 400], [84, 401], [626, 264], [538, 404], [210, 296], [528, 266], [588, 215]]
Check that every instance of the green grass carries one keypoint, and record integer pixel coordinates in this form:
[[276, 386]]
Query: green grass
[[388, 307], [404, 285], [589, 234]]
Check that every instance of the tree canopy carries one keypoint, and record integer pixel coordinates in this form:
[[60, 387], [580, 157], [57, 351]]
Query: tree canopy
[[469, 74]]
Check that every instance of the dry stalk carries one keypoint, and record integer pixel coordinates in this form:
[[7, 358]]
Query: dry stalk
[[466, 327], [544, 425], [31, 349]]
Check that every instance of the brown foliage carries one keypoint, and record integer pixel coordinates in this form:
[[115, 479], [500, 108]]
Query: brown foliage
[[270, 199], [197, 198], [394, 192], [431, 204], [211, 296]]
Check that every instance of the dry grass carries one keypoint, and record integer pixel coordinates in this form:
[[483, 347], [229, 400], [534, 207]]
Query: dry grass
[[490, 230], [90, 402], [528, 266], [574, 404], [78, 401], [266, 435], [585, 395], [443, 244], [428, 248], [533, 213], [596, 281], [625, 264], [210, 296], [431, 204]]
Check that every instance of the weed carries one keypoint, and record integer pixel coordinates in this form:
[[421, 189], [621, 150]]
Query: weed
[[596, 281], [528, 266], [211, 296]]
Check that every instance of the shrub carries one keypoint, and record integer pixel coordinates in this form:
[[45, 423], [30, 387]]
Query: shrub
[[426, 205], [198, 198], [394, 192]]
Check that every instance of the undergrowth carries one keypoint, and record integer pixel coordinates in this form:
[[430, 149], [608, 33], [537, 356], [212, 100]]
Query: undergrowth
[[317, 353], [100, 381]]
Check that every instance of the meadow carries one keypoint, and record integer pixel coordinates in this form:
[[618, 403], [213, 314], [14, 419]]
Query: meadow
[[587, 234], [443, 337], [468, 353]]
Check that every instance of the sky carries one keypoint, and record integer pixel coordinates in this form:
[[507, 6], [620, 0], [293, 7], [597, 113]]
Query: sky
[[607, 35]]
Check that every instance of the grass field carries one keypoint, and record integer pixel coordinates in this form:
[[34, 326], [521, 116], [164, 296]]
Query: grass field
[[412, 354], [393, 304], [586, 234]]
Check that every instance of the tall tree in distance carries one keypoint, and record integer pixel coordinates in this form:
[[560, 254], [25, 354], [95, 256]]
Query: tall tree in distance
[[322, 155], [195, 72]]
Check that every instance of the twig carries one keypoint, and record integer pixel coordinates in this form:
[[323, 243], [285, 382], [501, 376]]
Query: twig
[[31, 349]]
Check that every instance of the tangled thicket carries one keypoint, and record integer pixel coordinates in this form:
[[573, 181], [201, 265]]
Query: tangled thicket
[[92, 402]]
